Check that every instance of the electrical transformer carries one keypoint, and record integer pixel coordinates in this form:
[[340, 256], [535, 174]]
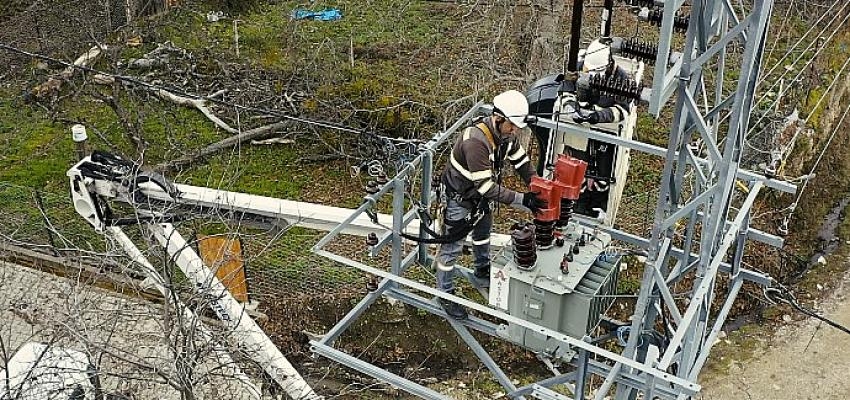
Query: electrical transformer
[[569, 297], [558, 273], [555, 273]]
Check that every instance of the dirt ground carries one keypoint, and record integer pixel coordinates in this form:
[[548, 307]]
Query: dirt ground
[[804, 360]]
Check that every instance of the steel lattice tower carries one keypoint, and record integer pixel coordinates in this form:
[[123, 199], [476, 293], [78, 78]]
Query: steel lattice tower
[[706, 222]]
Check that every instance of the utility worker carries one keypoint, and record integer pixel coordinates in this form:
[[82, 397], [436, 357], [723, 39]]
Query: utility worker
[[581, 105], [473, 180]]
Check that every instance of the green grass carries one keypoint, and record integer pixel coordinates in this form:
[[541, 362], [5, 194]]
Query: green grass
[[651, 130], [34, 151], [271, 39], [265, 171], [740, 346], [386, 22]]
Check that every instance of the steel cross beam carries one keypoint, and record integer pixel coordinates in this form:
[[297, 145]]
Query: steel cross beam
[[584, 132]]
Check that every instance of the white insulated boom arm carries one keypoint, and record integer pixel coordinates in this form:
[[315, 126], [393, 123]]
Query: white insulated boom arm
[[92, 183]]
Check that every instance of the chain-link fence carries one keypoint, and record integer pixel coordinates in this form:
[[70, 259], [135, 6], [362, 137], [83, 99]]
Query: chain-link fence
[[278, 262], [297, 290], [44, 221], [636, 212]]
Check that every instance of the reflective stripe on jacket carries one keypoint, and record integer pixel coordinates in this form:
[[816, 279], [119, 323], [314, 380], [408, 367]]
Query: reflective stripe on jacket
[[472, 170]]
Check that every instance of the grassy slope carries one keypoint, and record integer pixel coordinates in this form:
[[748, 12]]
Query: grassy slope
[[37, 151], [391, 63]]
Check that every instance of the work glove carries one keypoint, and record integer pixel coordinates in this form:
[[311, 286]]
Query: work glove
[[528, 202], [592, 118]]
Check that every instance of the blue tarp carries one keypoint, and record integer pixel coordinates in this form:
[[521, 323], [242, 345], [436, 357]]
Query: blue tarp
[[328, 14]]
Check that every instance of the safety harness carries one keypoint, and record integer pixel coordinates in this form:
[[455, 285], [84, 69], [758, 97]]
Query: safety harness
[[463, 227]]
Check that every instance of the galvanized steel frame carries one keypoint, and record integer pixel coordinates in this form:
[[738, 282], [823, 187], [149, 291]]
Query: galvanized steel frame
[[705, 213], [700, 250]]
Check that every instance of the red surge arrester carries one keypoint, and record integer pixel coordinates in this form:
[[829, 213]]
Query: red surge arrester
[[569, 173], [549, 192]]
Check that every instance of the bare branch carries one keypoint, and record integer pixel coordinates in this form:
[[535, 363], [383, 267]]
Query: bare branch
[[230, 142]]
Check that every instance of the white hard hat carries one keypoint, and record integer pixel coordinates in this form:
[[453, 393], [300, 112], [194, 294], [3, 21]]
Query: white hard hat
[[597, 57], [512, 105]]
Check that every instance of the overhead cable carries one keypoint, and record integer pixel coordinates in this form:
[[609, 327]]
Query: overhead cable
[[763, 75], [779, 95], [782, 29], [787, 150], [817, 162], [784, 296], [789, 51]]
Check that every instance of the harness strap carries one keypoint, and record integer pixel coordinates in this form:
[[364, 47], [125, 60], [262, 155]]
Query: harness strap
[[489, 135]]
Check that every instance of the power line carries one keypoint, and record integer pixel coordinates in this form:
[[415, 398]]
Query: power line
[[822, 47], [808, 47], [787, 150], [782, 29], [788, 52], [817, 162]]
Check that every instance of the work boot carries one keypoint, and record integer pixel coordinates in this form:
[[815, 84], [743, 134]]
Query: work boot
[[454, 310], [482, 276]]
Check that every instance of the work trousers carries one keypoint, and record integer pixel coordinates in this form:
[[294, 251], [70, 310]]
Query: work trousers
[[449, 252]]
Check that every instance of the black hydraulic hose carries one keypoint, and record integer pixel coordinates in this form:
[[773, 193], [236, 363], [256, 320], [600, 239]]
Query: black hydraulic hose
[[783, 295]]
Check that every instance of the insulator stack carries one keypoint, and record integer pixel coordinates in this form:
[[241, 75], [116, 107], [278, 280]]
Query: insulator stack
[[372, 283], [544, 221], [646, 52], [372, 187], [524, 246], [566, 213], [569, 173], [655, 17], [621, 89], [544, 233]]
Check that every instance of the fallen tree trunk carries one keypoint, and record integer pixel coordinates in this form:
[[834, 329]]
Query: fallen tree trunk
[[225, 144], [199, 104]]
